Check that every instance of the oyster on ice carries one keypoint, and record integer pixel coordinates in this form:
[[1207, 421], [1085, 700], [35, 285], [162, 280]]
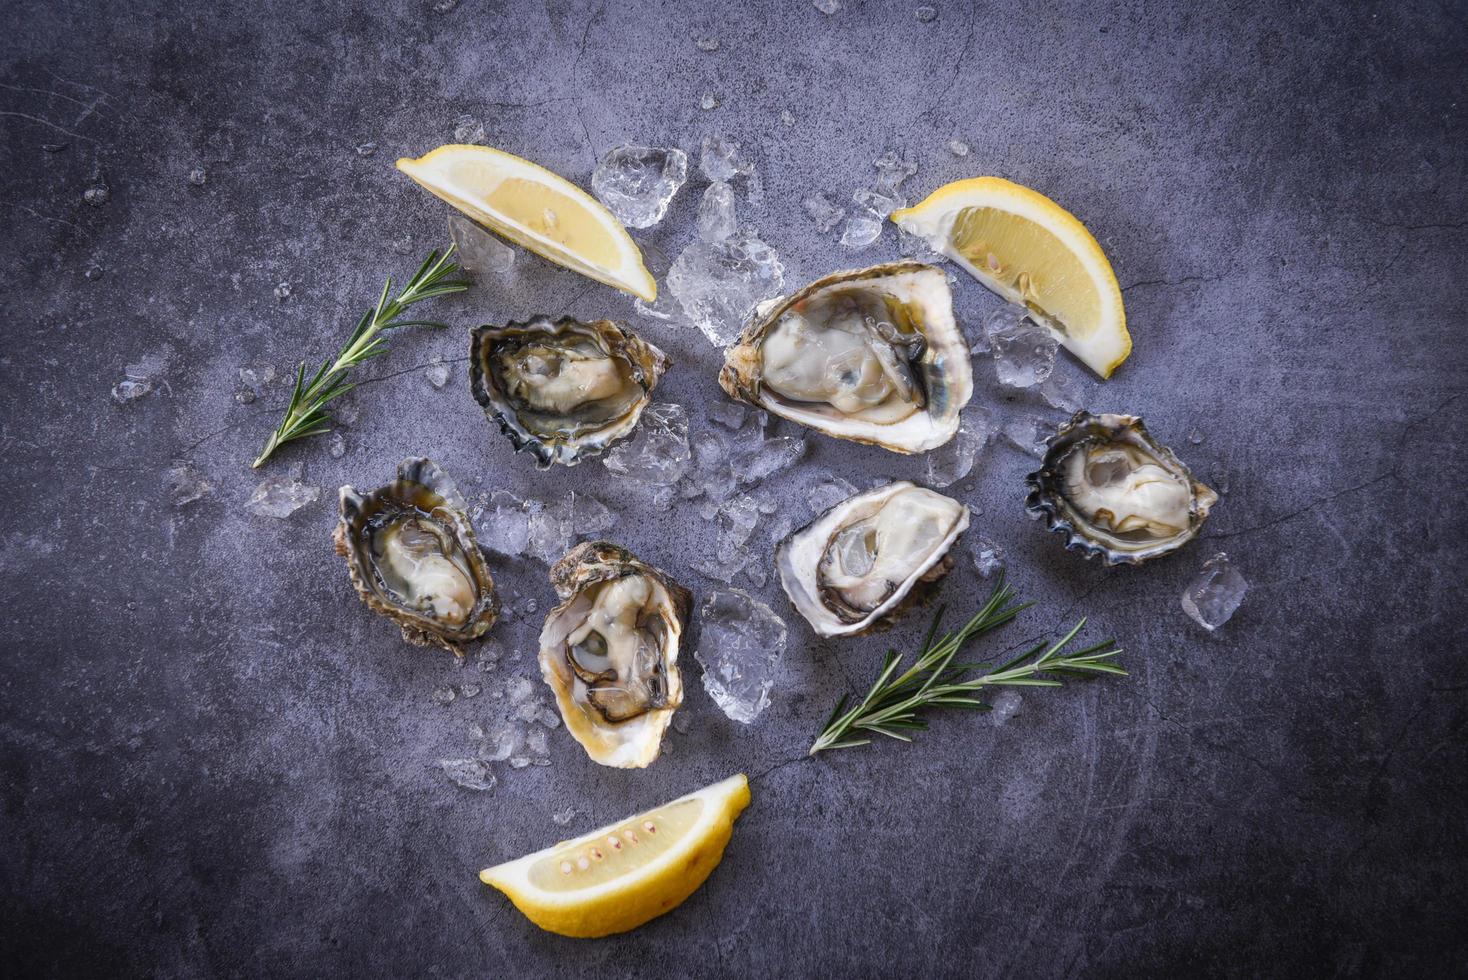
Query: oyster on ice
[[609, 651], [412, 556], [565, 390], [864, 560], [1115, 491], [871, 355]]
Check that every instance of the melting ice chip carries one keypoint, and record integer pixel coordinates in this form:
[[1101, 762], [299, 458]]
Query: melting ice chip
[[637, 182], [1023, 351], [438, 371], [862, 228], [502, 521], [1212, 598], [719, 283], [1028, 433], [468, 773], [282, 496], [988, 556], [825, 214], [716, 220], [478, 251], [553, 528], [953, 460], [741, 643]]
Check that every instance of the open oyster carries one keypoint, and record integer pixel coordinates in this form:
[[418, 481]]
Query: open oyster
[[1115, 491], [564, 390], [860, 563], [411, 552], [609, 651], [871, 355]]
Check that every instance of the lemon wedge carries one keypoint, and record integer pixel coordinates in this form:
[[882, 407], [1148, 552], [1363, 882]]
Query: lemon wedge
[[537, 210], [627, 873], [1030, 251]]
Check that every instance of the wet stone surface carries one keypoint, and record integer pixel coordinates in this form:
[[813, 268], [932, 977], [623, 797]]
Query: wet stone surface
[[254, 775]]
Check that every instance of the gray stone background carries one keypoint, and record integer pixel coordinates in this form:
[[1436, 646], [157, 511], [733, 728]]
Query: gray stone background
[[216, 761]]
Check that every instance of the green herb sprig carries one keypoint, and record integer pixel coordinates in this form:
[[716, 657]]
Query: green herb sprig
[[306, 414], [892, 706]]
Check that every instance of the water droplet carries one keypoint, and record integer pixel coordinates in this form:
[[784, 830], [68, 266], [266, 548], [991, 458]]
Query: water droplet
[[366, 149], [787, 117], [707, 44], [283, 291], [198, 176], [708, 102], [96, 196], [958, 148], [94, 272], [925, 14], [53, 147]]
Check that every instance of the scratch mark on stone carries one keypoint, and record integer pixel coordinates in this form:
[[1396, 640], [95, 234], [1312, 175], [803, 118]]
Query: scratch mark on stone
[[1171, 282], [47, 122]]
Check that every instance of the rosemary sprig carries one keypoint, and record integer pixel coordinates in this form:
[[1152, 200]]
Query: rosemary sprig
[[934, 680], [306, 414]]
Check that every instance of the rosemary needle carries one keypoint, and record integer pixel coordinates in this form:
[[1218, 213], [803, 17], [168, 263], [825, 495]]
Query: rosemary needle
[[306, 414], [892, 706]]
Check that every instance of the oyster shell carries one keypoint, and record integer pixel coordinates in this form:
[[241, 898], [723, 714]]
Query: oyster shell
[[863, 561], [871, 355], [1115, 491], [609, 651], [564, 390], [412, 556]]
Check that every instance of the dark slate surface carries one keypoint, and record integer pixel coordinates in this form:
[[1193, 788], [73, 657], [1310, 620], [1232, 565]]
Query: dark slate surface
[[217, 762]]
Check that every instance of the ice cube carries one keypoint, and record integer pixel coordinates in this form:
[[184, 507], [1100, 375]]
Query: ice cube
[[1023, 351], [468, 773], [707, 44], [825, 214], [716, 220], [708, 101], [366, 149], [657, 454], [720, 159], [862, 228], [553, 528], [741, 643], [730, 415], [198, 176], [444, 694], [827, 7], [470, 690], [437, 372], [185, 485], [468, 129], [787, 117], [502, 742], [538, 746], [953, 460], [637, 182], [719, 283], [1215, 594], [958, 147], [1062, 391], [480, 253], [878, 202], [1028, 433], [337, 446], [988, 556], [1195, 437], [768, 457], [281, 496], [97, 195], [828, 493], [502, 522], [925, 14], [893, 167], [128, 390], [1003, 707], [564, 816]]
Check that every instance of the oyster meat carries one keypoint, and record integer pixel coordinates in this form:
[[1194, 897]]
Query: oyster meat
[[609, 651], [412, 556], [564, 390], [871, 355], [1115, 491], [864, 560]]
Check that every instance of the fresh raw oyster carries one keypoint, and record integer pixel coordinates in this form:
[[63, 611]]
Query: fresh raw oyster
[[1115, 491], [564, 390], [609, 651], [871, 355], [863, 561], [411, 553]]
